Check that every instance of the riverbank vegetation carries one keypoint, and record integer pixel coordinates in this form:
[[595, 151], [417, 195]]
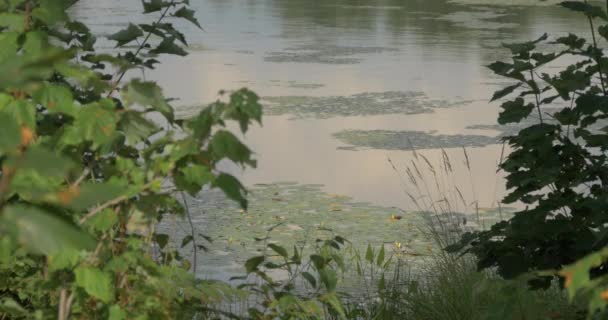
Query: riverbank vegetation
[[93, 160]]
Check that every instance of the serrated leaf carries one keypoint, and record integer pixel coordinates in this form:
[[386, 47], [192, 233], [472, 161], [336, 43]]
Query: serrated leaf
[[55, 98], [587, 9], [127, 35], [63, 259], [505, 91], [168, 46], [514, 111], [225, 145], [135, 127], [51, 11], [187, 14], [117, 313], [154, 5], [95, 282], [147, 94]]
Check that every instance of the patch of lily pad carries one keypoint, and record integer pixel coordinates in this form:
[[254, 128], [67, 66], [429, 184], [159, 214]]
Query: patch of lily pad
[[324, 54], [483, 20], [362, 104], [508, 3], [409, 140], [291, 214]]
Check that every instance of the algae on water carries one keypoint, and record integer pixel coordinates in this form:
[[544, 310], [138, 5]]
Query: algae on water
[[296, 214], [408, 140], [323, 53], [368, 103]]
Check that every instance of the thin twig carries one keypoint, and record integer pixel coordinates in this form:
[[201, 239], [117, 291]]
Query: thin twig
[[100, 208], [141, 46], [194, 249]]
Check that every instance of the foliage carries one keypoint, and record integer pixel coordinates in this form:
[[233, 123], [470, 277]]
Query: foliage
[[293, 286], [86, 161], [558, 167]]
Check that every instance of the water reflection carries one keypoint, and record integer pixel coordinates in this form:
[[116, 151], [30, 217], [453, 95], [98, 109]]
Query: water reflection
[[430, 46]]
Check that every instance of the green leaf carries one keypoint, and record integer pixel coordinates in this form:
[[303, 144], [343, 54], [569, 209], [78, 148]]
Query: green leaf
[[23, 111], [135, 127], [252, 264], [232, 187], [587, 9], [51, 11], [64, 259], [186, 240], [168, 46], [45, 162], [369, 254], [117, 313], [514, 111], [147, 94], [279, 250], [11, 133], [328, 278], [95, 282], [310, 278], [55, 98], [380, 259], [193, 177], [95, 123], [8, 45], [154, 5], [225, 145], [127, 35], [332, 300], [187, 14], [12, 21], [103, 221], [43, 232], [505, 91], [91, 194]]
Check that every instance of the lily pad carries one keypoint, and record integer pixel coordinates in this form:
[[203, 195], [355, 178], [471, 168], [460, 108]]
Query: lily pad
[[324, 54], [293, 214], [368, 103], [408, 140]]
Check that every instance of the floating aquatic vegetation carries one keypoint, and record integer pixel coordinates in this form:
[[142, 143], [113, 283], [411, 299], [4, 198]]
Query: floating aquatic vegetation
[[368, 103], [408, 140], [483, 20], [326, 54], [526, 3], [297, 214], [296, 85]]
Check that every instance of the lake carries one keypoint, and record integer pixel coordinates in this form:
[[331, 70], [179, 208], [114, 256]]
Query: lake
[[350, 85]]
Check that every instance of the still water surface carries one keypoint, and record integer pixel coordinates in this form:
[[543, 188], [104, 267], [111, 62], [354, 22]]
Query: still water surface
[[430, 53]]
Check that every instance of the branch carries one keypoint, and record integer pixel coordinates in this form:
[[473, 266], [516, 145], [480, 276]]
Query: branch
[[122, 73], [100, 208]]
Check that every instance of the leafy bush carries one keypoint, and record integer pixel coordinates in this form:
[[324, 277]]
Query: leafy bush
[[87, 161], [558, 167]]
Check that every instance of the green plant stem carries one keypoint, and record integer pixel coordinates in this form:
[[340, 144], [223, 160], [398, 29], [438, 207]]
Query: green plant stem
[[597, 57], [141, 47], [194, 249]]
